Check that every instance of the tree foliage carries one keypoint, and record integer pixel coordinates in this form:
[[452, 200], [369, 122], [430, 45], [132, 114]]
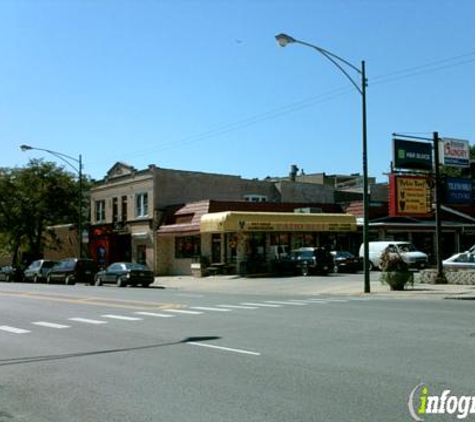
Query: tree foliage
[[32, 199]]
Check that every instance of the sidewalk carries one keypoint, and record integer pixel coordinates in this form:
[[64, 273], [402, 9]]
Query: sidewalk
[[332, 285]]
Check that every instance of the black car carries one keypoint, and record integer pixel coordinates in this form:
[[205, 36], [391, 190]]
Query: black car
[[125, 273], [346, 262], [313, 260], [72, 270], [38, 270], [11, 273]]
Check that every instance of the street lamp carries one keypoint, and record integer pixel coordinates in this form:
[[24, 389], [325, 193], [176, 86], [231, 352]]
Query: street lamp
[[78, 169], [284, 40]]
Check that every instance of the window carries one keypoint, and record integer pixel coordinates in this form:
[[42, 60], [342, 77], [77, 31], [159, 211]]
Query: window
[[141, 205], [255, 198], [187, 246], [124, 208], [115, 210], [100, 207]]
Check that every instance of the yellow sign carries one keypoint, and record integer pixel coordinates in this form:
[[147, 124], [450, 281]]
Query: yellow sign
[[234, 221], [413, 195]]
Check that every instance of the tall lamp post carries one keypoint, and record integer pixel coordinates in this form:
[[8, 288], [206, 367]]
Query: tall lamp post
[[283, 40], [78, 169]]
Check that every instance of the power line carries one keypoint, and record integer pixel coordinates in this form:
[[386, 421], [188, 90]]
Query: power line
[[431, 67]]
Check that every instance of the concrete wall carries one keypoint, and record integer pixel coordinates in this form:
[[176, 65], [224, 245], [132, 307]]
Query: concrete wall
[[178, 187], [305, 192]]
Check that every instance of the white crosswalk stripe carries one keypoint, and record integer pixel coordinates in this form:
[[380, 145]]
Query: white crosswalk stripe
[[154, 314], [88, 321], [50, 325], [183, 311], [13, 330], [265, 305], [282, 302], [238, 307], [122, 317], [328, 300], [205, 308]]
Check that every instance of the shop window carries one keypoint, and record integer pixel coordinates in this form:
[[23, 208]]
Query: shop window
[[141, 205], [216, 248], [231, 252], [305, 239], [100, 211], [187, 246]]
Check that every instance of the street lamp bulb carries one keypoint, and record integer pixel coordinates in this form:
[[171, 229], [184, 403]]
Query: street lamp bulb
[[25, 148], [284, 39]]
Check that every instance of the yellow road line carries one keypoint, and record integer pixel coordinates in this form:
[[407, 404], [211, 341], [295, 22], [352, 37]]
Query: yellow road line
[[95, 301]]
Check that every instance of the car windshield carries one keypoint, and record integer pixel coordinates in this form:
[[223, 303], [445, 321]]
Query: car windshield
[[406, 247], [304, 254], [135, 266], [342, 254]]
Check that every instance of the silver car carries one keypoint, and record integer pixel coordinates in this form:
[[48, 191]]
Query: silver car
[[460, 261]]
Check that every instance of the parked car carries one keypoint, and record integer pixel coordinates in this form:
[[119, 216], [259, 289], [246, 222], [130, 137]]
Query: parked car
[[310, 260], [125, 273], [346, 262], [412, 257], [38, 270], [460, 261], [11, 273], [72, 270]]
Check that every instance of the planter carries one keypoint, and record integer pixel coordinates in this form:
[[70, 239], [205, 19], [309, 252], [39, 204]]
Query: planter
[[397, 280]]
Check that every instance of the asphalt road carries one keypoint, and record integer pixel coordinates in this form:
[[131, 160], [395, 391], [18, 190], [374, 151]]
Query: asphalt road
[[80, 353]]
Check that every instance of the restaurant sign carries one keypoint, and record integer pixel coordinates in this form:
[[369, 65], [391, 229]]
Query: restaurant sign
[[277, 226], [409, 196]]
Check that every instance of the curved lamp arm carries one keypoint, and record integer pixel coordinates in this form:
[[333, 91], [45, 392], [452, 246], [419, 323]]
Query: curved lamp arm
[[63, 157], [284, 39]]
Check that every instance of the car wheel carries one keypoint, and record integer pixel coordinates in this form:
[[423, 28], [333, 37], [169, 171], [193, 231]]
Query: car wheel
[[371, 266], [35, 279], [146, 284], [7, 278], [48, 279], [120, 282], [336, 269], [305, 270], [69, 281], [98, 281]]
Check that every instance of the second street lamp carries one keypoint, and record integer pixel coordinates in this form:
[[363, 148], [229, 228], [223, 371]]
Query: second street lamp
[[339, 62], [67, 159]]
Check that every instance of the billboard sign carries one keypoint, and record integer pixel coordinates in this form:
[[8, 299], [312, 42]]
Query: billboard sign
[[412, 155], [458, 191], [409, 196], [454, 152]]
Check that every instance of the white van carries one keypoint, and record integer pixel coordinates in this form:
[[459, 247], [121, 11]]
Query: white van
[[409, 253]]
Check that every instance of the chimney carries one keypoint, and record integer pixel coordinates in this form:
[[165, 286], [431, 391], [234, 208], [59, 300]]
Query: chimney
[[293, 172]]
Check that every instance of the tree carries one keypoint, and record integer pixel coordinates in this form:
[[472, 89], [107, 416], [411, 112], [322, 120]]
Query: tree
[[31, 200]]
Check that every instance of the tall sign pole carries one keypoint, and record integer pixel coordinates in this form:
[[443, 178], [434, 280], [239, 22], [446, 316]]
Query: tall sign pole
[[438, 222]]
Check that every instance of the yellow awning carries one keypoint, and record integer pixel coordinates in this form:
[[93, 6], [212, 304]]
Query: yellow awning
[[235, 221]]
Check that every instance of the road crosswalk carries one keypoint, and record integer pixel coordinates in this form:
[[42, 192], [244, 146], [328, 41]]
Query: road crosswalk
[[170, 313]]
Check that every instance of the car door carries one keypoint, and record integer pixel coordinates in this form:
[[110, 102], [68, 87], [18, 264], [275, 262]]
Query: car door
[[112, 271]]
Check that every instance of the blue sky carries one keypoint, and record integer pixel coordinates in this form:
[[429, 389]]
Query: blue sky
[[202, 85]]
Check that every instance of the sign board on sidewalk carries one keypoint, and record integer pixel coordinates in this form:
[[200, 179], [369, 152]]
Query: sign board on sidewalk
[[454, 152]]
